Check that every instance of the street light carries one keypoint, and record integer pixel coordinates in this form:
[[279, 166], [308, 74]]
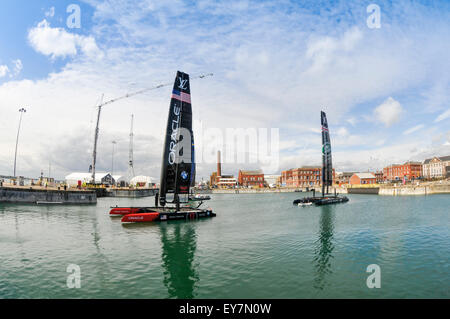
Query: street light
[[22, 110], [112, 161]]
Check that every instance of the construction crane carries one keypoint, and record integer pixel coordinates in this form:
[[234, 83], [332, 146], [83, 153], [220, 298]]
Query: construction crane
[[102, 104], [130, 155]]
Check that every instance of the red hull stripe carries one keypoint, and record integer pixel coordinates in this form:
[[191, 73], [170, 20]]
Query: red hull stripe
[[123, 211], [139, 218]]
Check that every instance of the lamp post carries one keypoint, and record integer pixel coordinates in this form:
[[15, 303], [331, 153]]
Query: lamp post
[[22, 110], [112, 161]]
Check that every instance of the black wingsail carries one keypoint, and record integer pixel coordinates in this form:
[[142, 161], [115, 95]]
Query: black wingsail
[[177, 162], [193, 166], [327, 173], [327, 167]]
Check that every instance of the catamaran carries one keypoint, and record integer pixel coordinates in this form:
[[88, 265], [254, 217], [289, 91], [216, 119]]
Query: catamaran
[[177, 168], [327, 173]]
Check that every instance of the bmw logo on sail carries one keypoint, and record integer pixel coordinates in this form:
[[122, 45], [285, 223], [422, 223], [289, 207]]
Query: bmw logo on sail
[[184, 175]]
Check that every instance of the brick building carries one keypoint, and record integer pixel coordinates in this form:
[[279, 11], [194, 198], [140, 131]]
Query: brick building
[[379, 176], [344, 177], [213, 179], [279, 180], [363, 178], [251, 178], [306, 176], [218, 179], [407, 171]]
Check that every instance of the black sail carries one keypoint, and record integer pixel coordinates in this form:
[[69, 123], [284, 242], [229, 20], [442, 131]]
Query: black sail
[[193, 166], [177, 161], [327, 167]]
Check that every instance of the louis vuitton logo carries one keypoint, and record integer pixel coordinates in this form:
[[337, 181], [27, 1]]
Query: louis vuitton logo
[[183, 83]]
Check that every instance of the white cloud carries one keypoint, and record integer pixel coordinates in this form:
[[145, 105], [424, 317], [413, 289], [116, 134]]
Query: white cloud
[[443, 116], [4, 70], [323, 50], [342, 132], [50, 13], [18, 66], [413, 129], [289, 144], [352, 121], [57, 42], [388, 112]]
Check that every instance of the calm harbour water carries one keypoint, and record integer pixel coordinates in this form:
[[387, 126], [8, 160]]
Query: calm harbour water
[[258, 246]]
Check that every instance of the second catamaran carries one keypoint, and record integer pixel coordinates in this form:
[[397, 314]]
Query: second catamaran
[[177, 167], [327, 173]]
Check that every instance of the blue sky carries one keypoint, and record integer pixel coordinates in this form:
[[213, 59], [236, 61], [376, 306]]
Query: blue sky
[[17, 18], [276, 63]]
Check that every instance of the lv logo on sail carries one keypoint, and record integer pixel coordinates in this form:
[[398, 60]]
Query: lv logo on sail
[[182, 83]]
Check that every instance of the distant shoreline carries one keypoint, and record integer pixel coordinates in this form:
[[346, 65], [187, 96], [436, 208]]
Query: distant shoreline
[[428, 188]]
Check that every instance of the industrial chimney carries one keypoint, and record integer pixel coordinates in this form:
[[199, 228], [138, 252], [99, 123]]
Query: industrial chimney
[[219, 165]]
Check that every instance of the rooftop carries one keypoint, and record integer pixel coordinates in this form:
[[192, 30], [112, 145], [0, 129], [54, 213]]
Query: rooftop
[[365, 175], [348, 174], [442, 158], [227, 176], [406, 163], [255, 172]]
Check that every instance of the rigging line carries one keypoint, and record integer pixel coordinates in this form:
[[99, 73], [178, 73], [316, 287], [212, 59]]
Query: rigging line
[[93, 109], [201, 76]]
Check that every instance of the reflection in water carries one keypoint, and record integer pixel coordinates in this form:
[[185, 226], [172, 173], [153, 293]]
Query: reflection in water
[[324, 247], [179, 243], [103, 267]]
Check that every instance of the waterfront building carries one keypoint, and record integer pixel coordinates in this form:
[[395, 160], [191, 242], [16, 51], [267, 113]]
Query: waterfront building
[[344, 177], [407, 171], [271, 180], [280, 180], [379, 176], [286, 178], [363, 178], [213, 179], [217, 179], [76, 179], [226, 181], [436, 167], [306, 176], [251, 178]]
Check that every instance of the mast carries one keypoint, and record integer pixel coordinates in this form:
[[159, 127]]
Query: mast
[[130, 155], [177, 163], [193, 165], [327, 169], [101, 104]]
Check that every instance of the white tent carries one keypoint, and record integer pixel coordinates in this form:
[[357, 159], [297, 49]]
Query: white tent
[[119, 178], [100, 178], [143, 181]]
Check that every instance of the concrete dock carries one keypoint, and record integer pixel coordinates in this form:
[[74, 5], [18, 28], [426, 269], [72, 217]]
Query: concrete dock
[[420, 189], [46, 196], [130, 193]]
